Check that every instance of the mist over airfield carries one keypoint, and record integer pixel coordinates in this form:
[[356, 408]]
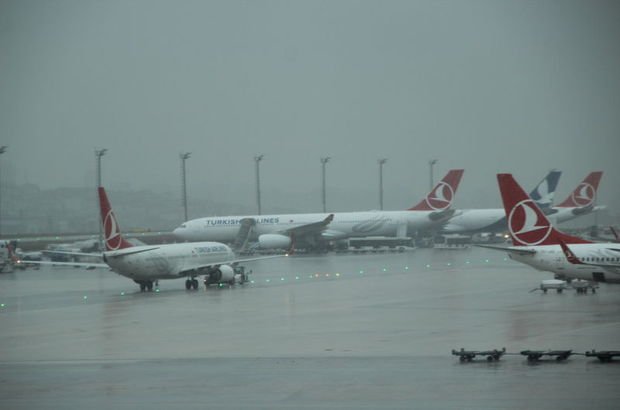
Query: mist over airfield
[[488, 86]]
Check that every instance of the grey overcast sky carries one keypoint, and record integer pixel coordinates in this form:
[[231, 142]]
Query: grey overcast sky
[[486, 85]]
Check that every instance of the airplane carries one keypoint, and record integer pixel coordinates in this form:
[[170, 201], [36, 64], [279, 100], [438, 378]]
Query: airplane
[[538, 244], [580, 201], [315, 230], [493, 220], [147, 264]]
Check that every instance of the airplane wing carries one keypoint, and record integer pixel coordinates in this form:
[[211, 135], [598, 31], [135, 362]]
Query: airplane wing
[[74, 264], [314, 227], [112, 254], [129, 251], [258, 258], [231, 262], [526, 251], [69, 253]]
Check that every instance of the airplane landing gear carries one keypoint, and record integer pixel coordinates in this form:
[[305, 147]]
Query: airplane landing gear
[[191, 284], [145, 285]]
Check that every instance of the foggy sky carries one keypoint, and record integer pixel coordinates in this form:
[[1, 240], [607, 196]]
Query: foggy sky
[[489, 86]]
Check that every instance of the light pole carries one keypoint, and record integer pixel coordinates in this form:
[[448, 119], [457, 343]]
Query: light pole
[[430, 165], [2, 151], [98, 154], [324, 161], [257, 160], [184, 156], [381, 162]]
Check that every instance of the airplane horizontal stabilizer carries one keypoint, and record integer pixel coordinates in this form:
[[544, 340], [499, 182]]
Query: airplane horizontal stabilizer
[[74, 264], [525, 251]]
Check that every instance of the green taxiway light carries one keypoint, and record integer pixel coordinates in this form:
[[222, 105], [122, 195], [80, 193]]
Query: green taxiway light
[[406, 267], [282, 279], [2, 305], [296, 277], [85, 297], [122, 293], [428, 266]]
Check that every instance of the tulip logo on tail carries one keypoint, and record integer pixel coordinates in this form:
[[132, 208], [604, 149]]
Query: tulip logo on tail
[[526, 225], [584, 194], [569, 254], [542, 194], [113, 237], [441, 197]]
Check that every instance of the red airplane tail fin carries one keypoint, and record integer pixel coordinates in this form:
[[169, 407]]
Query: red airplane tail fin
[[442, 195], [111, 230], [570, 256], [585, 193], [527, 224]]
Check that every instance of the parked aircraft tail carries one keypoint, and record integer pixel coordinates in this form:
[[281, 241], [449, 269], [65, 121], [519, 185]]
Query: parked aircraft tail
[[543, 193], [111, 230], [442, 195], [527, 224], [585, 193]]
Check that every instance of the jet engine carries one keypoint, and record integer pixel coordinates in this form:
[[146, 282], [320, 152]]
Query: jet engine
[[274, 241], [221, 274]]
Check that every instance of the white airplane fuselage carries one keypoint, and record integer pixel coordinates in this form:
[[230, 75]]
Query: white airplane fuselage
[[551, 258], [169, 261], [476, 220], [344, 225], [494, 220]]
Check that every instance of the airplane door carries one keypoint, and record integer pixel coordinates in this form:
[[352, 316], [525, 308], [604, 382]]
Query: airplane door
[[559, 261]]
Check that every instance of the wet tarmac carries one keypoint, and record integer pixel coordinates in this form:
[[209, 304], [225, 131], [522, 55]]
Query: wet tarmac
[[337, 331]]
